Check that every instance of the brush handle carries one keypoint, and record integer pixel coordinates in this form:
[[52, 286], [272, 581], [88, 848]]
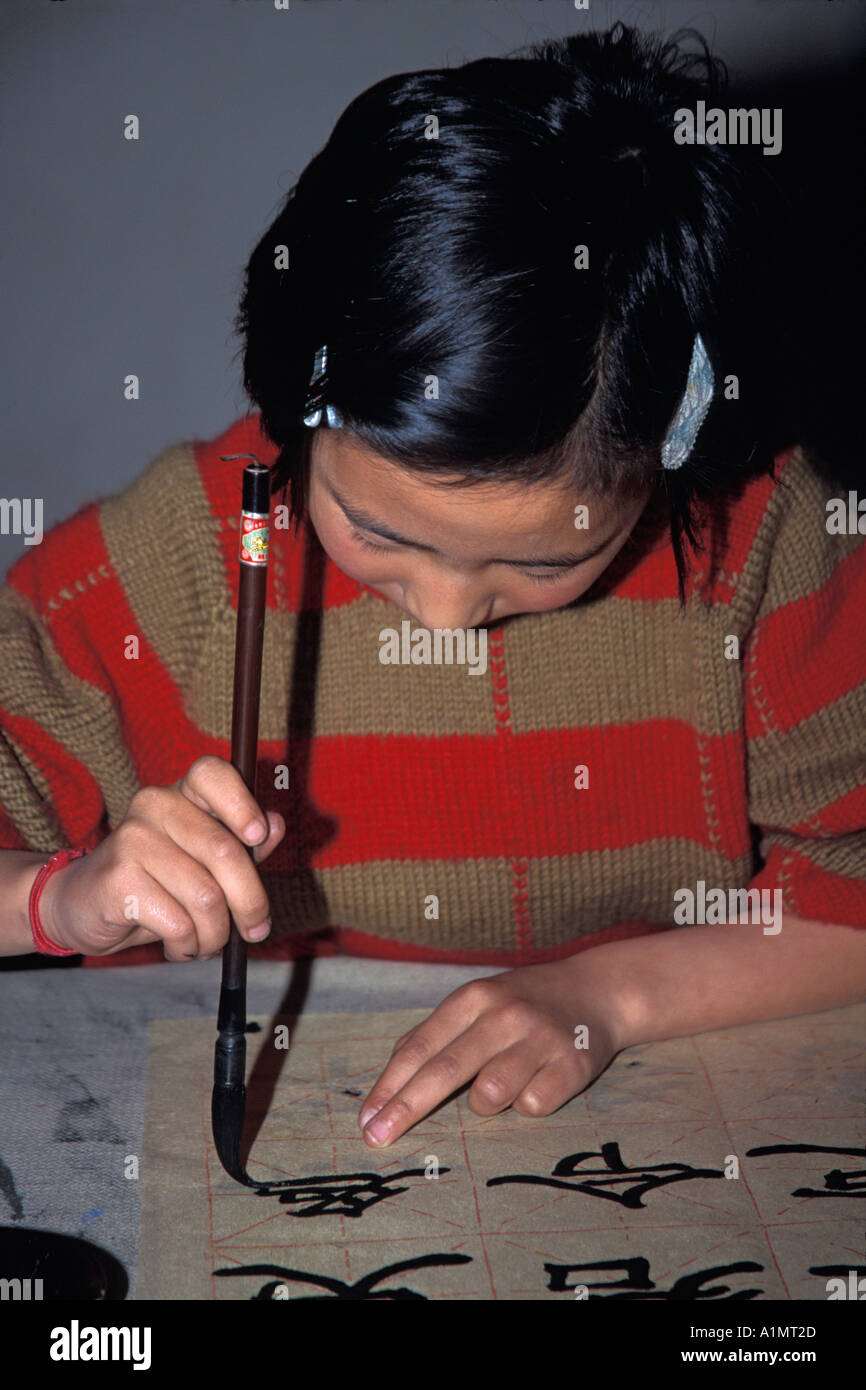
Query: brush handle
[[230, 1055], [249, 635]]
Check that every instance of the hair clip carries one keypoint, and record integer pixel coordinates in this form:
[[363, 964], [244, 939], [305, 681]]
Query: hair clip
[[692, 410], [315, 402]]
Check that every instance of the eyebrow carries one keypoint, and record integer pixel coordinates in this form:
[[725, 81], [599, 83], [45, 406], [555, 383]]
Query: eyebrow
[[359, 517]]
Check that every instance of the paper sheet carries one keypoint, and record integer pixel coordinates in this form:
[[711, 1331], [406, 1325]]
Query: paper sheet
[[623, 1193]]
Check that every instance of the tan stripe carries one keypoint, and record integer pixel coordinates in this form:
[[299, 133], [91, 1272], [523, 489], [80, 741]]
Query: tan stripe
[[626, 664], [38, 685], [793, 554], [341, 684], [583, 893], [163, 543], [792, 776], [387, 898], [841, 855], [26, 798], [622, 662], [570, 896]]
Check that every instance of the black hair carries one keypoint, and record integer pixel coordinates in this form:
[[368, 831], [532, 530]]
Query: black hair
[[433, 240]]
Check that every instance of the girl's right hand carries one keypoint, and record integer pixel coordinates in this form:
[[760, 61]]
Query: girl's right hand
[[172, 871]]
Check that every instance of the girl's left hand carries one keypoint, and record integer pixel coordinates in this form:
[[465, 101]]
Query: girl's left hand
[[515, 1033]]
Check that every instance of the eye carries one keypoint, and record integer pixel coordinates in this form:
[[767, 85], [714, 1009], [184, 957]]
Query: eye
[[368, 545], [553, 578], [548, 578]]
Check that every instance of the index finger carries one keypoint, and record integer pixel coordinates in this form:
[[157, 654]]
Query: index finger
[[451, 1017], [433, 1082], [217, 787], [423, 1073]]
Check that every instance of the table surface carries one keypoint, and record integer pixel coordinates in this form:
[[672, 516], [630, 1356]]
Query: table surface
[[75, 1048], [72, 1088]]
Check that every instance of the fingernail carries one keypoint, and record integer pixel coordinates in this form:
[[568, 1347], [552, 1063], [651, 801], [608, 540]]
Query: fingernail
[[367, 1115], [260, 932], [378, 1130], [255, 831]]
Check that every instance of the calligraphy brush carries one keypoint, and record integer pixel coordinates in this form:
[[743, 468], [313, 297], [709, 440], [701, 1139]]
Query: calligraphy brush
[[229, 1091], [228, 1102]]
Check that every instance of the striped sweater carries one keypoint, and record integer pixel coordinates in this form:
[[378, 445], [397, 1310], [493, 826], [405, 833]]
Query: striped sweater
[[613, 753]]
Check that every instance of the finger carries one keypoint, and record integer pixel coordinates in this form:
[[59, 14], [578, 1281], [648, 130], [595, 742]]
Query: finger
[[148, 914], [197, 895], [212, 876], [431, 1079], [449, 1019], [508, 1074], [550, 1087], [400, 1041], [276, 831], [216, 786], [376, 1097]]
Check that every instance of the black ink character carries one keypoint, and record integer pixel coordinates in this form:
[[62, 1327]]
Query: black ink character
[[838, 1271], [836, 1183], [339, 1194], [638, 1284], [362, 1290], [644, 1177]]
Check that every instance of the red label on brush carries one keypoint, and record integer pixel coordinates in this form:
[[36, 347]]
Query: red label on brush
[[254, 538]]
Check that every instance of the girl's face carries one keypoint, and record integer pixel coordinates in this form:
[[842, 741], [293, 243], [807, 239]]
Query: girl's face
[[459, 557]]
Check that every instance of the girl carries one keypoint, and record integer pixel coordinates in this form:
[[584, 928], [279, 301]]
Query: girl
[[508, 355]]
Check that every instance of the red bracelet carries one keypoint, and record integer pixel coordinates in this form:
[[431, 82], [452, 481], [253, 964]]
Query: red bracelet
[[57, 861]]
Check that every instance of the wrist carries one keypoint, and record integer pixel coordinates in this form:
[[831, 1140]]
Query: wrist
[[599, 970], [46, 908], [43, 904]]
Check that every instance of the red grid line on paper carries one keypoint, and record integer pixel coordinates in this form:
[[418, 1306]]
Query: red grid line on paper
[[572, 1211]]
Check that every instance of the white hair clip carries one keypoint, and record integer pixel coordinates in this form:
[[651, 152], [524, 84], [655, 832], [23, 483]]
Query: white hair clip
[[692, 410], [318, 385]]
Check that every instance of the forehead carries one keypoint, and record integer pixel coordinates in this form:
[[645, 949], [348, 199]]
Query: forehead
[[365, 478]]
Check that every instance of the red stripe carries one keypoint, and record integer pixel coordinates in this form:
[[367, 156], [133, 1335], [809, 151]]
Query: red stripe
[[70, 551], [457, 797], [74, 793], [819, 896], [844, 816], [10, 837], [809, 653]]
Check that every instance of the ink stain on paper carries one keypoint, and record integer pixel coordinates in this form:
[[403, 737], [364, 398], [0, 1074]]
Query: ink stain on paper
[[86, 1121]]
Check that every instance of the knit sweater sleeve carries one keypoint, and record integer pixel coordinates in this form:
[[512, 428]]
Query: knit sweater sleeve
[[60, 739], [804, 675], [85, 621]]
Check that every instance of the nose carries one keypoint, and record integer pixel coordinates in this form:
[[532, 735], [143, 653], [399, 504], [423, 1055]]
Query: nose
[[437, 608]]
